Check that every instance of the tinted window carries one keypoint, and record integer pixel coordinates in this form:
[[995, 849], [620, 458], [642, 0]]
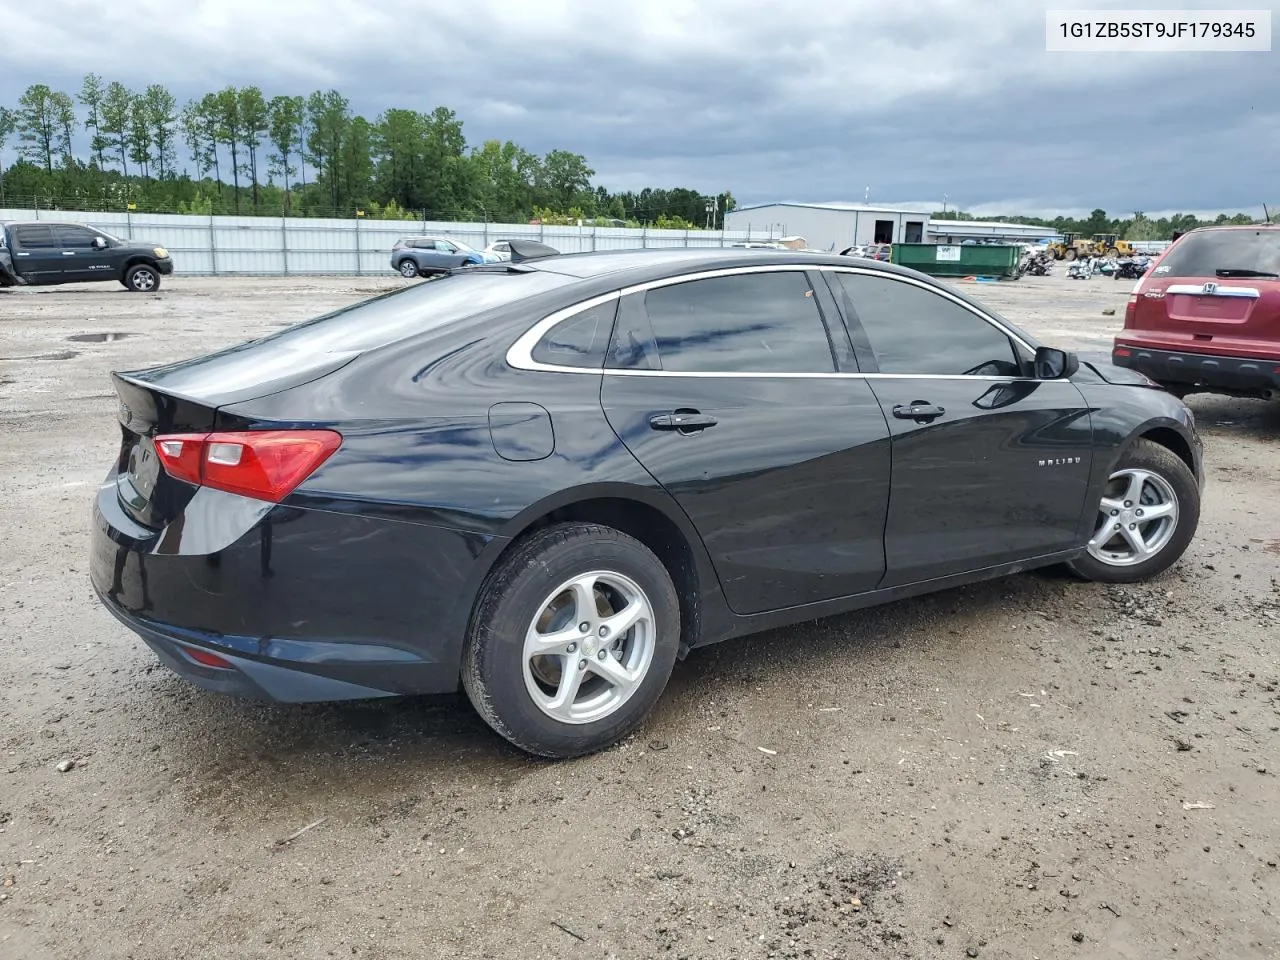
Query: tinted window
[[914, 330], [1203, 254], [579, 341], [750, 323], [36, 237], [78, 238], [350, 331]]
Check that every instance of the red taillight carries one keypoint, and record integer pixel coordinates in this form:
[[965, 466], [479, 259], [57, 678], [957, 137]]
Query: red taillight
[[263, 464], [1123, 352]]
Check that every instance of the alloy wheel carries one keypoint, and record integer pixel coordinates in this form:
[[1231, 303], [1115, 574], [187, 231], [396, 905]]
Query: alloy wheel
[[589, 647], [1136, 518]]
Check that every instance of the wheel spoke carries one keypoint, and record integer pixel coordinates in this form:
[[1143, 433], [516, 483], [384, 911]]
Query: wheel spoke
[[550, 644], [1133, 493], [614, 672], [561, 704], [623, 621], [1109, 504], [1135, 541], [583, 591], [1158, 511]]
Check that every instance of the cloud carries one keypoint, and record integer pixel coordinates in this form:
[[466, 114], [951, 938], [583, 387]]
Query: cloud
[[770, 99]]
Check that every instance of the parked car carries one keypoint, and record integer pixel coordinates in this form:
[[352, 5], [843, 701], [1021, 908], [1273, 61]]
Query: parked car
[[430, 256], [879, 251], [857, 250], [548, 480], [46, 252], [1205, 317], [498, 250]]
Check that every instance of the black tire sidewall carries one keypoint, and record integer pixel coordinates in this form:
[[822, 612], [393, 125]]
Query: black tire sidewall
[[493, 672], [1146, 455], [134, 271], [409, 263]]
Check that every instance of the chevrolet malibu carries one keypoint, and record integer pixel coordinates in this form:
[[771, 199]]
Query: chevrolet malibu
[[547, 480]]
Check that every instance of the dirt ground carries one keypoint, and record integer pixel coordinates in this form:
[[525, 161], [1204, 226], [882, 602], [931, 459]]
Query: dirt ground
[[1033, 767]]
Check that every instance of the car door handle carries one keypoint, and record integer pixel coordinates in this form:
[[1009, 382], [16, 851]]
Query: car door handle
[[682, 420], [918, 410]]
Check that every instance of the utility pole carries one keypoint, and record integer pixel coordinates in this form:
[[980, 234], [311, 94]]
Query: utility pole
[[866, 195], [944, 204]]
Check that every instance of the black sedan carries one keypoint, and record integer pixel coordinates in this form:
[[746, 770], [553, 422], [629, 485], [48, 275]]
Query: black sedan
[[548, 479]]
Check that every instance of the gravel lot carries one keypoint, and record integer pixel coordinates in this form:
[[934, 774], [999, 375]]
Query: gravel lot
[[1033, 767]]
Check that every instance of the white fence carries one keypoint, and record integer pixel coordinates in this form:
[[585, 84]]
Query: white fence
[[279, 245]]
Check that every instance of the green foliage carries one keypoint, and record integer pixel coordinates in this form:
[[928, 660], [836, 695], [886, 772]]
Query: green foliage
[[237, 150], [1137, 227]]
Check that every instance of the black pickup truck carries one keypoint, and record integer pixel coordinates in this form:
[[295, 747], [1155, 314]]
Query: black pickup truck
[[45, 252]]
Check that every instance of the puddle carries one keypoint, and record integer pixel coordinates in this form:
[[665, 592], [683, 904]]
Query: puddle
[[60, 355], [109, 337]]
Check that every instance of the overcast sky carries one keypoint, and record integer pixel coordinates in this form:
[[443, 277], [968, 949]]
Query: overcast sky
[[770, 99]]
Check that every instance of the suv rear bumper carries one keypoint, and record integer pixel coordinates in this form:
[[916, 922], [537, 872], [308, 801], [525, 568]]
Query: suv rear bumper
[[1235, 374]]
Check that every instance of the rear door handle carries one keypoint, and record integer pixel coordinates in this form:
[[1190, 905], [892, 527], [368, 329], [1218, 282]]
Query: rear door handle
[[682, 420], [918, 410]]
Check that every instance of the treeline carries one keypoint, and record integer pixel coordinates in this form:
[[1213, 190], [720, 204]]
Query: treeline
[[1137, 227], [239, 151]]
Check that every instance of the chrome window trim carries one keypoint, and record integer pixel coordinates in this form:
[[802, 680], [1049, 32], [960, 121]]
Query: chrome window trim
[[520, 354]]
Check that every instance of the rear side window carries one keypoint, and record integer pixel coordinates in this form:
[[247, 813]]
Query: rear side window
[[579, 341], [1226, 253], [748, 323], [36, 236]]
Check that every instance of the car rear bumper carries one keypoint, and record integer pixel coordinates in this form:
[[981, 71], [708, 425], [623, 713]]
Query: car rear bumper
[[297, 604], [1244, 374]]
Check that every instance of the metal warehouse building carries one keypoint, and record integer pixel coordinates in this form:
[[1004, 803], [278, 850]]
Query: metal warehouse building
[[957, 231], [831, 226]]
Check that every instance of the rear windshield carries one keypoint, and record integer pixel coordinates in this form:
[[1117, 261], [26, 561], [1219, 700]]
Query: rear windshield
[[1205, 253], [413, 310], [339, 336]]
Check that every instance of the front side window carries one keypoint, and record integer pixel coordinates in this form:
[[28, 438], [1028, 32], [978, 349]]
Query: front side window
[[444, 246], [746, 323], [579, 341], [914, 330], [76, 238]]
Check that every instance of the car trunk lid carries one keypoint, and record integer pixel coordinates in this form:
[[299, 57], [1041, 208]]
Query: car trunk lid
[[1214, 290]]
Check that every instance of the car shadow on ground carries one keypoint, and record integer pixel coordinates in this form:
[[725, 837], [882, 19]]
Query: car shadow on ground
[[240, 753], [1235, 417]]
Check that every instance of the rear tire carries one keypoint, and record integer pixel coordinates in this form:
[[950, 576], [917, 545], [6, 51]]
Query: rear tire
[[408, 269], [591, 687], [1146, 519], [142, 278]]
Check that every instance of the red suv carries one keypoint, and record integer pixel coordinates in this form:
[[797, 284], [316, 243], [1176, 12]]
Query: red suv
[[1206, 316]]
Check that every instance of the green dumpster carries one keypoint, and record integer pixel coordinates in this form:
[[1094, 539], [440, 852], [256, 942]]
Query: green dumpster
[[959, 260]]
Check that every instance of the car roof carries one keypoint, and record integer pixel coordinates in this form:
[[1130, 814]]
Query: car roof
[[659, 262], [1233, 226]]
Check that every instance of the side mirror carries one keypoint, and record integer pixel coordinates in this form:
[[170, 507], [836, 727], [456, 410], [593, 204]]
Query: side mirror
[[1054, 364], [99, 243]]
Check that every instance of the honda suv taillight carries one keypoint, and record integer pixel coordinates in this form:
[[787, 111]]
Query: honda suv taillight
[[262, 464]]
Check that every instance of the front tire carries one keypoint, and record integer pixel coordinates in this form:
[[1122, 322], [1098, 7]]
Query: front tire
[[1146, 519], [142, 278], [572, 640]]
